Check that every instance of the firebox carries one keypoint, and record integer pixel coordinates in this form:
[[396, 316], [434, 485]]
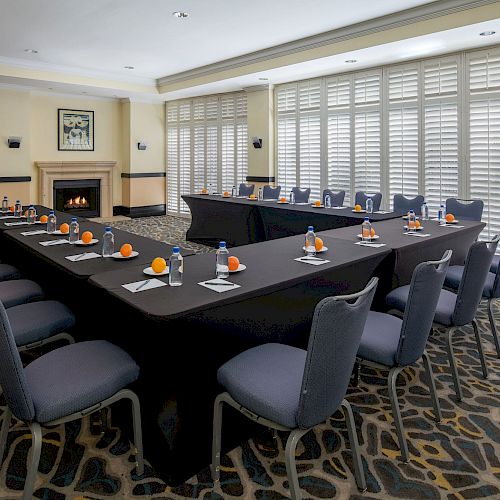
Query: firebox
[[79, 197]]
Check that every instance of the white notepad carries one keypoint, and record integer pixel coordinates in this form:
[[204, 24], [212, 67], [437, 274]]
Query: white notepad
[[83, 256], [34, 233], [219, 285], [53, 242], [143, 285], [312, 260]]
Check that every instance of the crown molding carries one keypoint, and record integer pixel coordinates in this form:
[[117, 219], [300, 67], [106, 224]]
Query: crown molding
[[399, 19]]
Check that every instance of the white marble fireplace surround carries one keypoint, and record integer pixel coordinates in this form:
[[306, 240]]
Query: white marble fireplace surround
[[50, 171]]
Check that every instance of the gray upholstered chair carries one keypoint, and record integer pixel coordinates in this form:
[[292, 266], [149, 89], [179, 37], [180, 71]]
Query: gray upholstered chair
[[246, 189], [289, 389], [465, 209], [271, 193], [392, 343], [455, 310], [65, 384], [361, 197], [16, 292], [8, 272], [301, 195], [491, 291], [402, 204], [337, 199]]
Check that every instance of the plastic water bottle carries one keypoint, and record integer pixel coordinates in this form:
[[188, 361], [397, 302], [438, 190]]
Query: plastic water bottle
[[424, 211], [366, 230], [369, 206], [292, 198], [260, 194], [108, 243], [210, 190], [442, 215], [310, 242], [175, 267], [328, 201], [51, 222], [74, 231], [31, 215], [412, 221], [221, 261], [233, 191], [18, 208], [5, 204]]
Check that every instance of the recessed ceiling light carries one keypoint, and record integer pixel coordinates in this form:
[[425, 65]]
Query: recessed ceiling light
[[487, 33], [128, 67], [351, 61], [31, 51], [180, 15]]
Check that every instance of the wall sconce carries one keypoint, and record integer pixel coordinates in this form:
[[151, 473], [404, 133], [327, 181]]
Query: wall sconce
[[14, 142]]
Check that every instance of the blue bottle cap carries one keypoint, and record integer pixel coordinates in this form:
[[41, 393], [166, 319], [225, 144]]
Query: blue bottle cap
[[222, 244], [108, 229], [367, 219], [18, 201], [412, 212], [310, 228], [176, 249], [73, 219], [5, 198], [51, 212]]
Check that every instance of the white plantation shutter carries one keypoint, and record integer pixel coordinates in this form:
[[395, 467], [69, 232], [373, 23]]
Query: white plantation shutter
[[241, 152], [172, 159], [286, 137], [184, 165], [227, 157], [212, 154]]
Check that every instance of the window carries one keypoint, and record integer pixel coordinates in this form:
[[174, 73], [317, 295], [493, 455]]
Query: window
[[207, 143]]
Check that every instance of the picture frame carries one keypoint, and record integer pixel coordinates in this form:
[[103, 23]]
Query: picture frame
[[75, 130]]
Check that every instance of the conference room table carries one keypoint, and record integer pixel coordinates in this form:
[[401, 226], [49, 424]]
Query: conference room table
[[240, 221], [180, 336]]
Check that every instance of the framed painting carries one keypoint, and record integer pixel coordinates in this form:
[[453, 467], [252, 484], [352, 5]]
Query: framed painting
[[76, 130]]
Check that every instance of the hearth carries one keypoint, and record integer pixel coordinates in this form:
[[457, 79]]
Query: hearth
[[79, 197]]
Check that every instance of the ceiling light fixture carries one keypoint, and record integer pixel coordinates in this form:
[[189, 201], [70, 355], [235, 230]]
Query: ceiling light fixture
[[264, 79], [129, 67], [351, 61], [487, 33], [31, 51], [180, 15]]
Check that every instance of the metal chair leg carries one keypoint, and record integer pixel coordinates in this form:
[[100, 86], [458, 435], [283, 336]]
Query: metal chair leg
[[36, 449], [291, 469], [359, 472], [4, 431], [398, 422], [432, 387], [453, 365], [493, 326], [484, 367], [216, 438], [136, 420]]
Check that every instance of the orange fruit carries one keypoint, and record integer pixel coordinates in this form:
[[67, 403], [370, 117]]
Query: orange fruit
[[126, 250], [357, 208], [411, 223], [372, 232], [252, 196], [450, 217], [282, 199], [87, 237], [417, 224], [226, 193], [44, 219], [64, 228], [317, 203], [159, 265], [233, 263], [11, 209], [204, 191], [319, 244]]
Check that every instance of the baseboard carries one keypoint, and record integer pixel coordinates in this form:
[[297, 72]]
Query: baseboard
[[133, 212]]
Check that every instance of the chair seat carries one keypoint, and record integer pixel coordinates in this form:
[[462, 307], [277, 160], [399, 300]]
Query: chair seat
[[398, 298], [8, 272], [454, 276], [494, 264], [39, 321], [76, 377], [380, 339], [15, 292], [267, 381]]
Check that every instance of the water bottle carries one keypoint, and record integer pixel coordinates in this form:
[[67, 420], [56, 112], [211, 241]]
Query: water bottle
[[328, 201], [31, 215], [369, 206], [260, 194], [51, 222], [412, 221], [5, 204], [210, 190], [234, 193], [222, 263], [424, 211], [175, 267], [108, 243], [74, 231], [442, 215], [366, 230], [292, 198], [310, 242], [18, 208]]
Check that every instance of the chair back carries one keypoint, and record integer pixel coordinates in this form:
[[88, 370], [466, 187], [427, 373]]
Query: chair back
[[246, 189], [470, 290], [271, 193], [301, 195], [337, 199], [12, 377], [402, 204], [361, 197], [465, 209], [425, 288], [336, 332]]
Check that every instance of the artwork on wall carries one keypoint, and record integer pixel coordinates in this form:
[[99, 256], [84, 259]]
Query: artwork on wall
[[76, 130]]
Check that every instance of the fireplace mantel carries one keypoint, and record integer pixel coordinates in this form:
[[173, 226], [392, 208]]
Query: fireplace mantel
[[50, 171]]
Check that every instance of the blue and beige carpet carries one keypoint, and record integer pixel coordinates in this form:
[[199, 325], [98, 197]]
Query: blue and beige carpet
[[456, 459]]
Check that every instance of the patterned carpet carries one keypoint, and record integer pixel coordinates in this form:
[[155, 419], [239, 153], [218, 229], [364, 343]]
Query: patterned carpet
[[456, 459]]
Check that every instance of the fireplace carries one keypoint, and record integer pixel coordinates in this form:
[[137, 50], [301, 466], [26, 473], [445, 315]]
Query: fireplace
[[78, 197]]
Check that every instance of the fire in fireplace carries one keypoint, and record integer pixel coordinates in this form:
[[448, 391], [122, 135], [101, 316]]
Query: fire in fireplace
[[77, 202], [79, 197]]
